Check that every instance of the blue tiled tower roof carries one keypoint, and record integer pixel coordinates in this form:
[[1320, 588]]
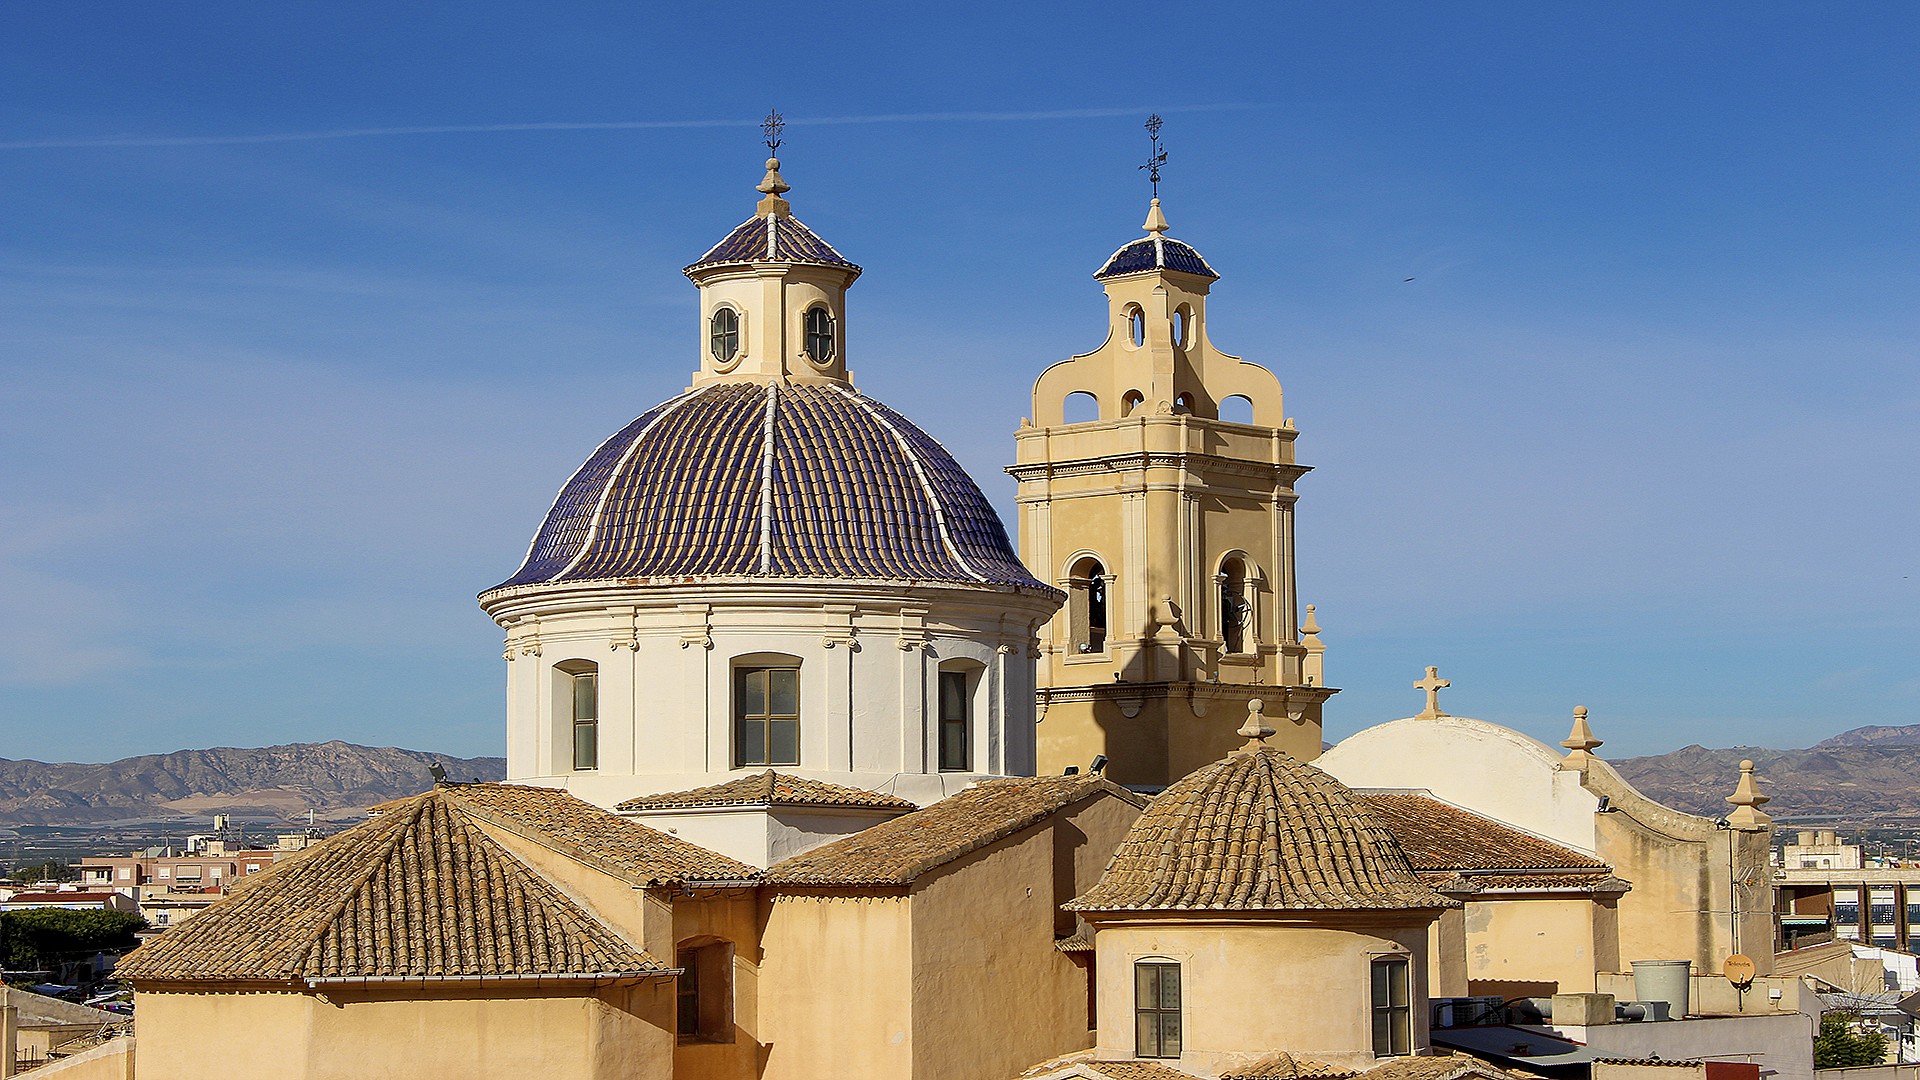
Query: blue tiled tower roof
[[773, 237], [1155, 252], [772, 480]]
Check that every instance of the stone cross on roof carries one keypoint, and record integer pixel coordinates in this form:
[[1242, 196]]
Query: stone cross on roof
[[1432, 684]]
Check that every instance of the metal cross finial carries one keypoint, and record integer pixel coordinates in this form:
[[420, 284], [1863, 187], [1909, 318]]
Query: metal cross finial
[[1432, 684], [773, 125], [1159, 157]]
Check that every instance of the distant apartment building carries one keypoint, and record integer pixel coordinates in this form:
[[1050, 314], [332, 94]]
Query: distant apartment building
[[71, 899], [1823, 886], [168, 887]]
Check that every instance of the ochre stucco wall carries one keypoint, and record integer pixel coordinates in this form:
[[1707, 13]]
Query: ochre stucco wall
[[1250, 987], [730, 916], [992, 995], [834, 987], [613, 1033], [1533, 941]]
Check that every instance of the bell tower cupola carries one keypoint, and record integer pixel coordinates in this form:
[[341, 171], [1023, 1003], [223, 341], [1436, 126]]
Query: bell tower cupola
[[773, 295], [1156, 488]]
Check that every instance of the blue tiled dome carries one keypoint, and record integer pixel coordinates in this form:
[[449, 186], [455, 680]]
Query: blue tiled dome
[[752, 480], [1155, 252]]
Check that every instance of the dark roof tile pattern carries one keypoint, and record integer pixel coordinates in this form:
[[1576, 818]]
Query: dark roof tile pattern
[[419, 891], [896, 852], [857, 492], [1258, 831], [1154, 253], [771, 788], [773, 238], [1439, 836], [636, 853]]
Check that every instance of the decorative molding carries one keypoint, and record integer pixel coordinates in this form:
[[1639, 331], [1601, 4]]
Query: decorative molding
[[696, 625], [913, 629], [839, 629], [632, 641]]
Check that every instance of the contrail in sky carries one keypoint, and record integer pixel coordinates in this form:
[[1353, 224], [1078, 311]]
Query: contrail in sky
[[608, 125]]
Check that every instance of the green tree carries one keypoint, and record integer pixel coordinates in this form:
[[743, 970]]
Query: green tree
[[1843, 1042], [50, 870], [39, 939]]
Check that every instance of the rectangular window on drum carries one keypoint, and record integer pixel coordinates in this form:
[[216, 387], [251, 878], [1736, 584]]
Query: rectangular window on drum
[[766, 716], [586, 720], [1392, 1007], [1156, 1009], [953, 721]]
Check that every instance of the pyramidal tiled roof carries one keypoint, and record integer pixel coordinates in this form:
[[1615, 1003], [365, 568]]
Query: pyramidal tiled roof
[[1154, 252], [771, 788], [751, 480], [419, 891], [898, 851], [1258, 831], [773, 237]]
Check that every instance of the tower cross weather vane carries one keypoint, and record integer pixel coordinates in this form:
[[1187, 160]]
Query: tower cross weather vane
[[1159, 157], [773, 125]]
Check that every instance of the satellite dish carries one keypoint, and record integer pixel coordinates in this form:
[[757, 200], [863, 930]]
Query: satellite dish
[[1738, 969]]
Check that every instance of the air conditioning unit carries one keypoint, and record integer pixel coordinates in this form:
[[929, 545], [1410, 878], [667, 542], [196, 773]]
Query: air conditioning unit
[[1469, 1011]]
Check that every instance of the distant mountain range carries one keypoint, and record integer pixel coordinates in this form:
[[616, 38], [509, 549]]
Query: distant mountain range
[[333, 779], [1854, 778]]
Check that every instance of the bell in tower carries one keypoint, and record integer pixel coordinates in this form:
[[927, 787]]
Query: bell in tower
[[1170, 528]]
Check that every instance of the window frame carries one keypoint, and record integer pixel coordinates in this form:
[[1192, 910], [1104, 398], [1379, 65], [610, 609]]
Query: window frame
[[731, 335], [582, 711], [703, 991], [953, 745], [763, 721], [812, 336], [1157, 1013], [1395, 1038]]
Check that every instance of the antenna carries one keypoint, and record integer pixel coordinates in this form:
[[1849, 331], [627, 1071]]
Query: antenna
[[1159, 156], [773, 125], [438, 772]]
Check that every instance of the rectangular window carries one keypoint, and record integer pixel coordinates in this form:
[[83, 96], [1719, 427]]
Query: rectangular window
[[1846, 912], [586, 720], [705, 993], [766, 716], [1156, 1009], [1392, 1010], [953, 721]]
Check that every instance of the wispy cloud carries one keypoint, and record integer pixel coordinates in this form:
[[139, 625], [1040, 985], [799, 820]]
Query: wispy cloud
[[129, 141]]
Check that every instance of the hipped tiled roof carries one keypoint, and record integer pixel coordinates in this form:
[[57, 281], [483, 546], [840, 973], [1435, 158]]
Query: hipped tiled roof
[[1438, 836], [749, 480], [771, 788], [1287, 1067], [1258, 831], [635, 853], [898, 851], [419, 891], [773, 238], [1081, 1065]]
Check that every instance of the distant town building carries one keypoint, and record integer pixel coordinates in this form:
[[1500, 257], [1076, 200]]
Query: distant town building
[[167, 887], [1824, 887]]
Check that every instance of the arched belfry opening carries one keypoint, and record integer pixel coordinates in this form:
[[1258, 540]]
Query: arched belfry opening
[[1183, 481]]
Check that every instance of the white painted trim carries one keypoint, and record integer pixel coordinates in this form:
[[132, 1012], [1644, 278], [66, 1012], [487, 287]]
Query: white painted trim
[[766, 482], [926, 485]]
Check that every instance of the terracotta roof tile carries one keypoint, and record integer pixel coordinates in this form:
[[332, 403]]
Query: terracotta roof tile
[[419, 891], [771, 788], [1439, 836], [1482, 881], [1286, 1067], [1434, 1067], [898, 851], [628, 850], [1258, 831]]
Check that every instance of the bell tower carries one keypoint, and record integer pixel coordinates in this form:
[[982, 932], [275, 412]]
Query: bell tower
[[1170, 528]]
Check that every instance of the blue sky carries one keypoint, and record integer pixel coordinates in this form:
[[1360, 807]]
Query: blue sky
[[1642, 433]]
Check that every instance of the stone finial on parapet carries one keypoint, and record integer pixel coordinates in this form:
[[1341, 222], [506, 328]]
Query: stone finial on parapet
[[1747, 801], [1256, 730], [1313, 668], [1580, 744], [1432, 684]]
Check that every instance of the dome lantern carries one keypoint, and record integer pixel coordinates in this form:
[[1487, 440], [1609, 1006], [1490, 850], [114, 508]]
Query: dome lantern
[[773, 294]]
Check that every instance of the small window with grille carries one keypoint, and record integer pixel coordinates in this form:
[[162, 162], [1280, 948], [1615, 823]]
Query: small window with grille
[[723, 335], [820, 342]]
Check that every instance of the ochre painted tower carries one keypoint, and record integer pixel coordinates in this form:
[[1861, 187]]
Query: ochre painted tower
[[1171, 530]]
